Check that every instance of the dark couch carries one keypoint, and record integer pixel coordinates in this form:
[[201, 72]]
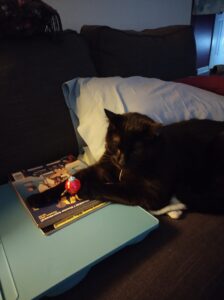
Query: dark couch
[[181, 259], [35, 122]]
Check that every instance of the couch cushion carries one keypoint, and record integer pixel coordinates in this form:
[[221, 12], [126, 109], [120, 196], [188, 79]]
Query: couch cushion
[[166, 53], [35, 122]]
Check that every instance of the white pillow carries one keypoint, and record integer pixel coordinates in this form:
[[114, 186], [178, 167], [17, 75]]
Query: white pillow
[[87, 98], [165, 102]]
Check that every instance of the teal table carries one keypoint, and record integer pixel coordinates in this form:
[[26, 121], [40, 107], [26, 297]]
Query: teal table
[[33, 265]]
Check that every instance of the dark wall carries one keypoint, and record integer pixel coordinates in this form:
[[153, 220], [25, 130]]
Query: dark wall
[[203, 30]]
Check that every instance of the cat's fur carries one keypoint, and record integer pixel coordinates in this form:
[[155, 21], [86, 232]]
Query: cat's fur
[[148, 164]]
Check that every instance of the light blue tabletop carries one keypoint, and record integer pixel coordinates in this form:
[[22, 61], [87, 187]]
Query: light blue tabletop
[[32, 264]]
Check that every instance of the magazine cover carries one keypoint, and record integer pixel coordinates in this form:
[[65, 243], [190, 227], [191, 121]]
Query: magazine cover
[[38, 179]]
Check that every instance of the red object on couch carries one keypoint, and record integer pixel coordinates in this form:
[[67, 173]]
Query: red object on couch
[[212, 83]]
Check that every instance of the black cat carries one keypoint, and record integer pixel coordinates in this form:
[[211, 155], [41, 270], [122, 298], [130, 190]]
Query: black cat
[[151, 165]]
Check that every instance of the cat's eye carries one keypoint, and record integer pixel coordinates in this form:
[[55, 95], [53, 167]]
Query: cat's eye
[[113, 145], [115, 139]]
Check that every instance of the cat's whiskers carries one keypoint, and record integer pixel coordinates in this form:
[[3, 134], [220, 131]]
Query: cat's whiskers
[[107, 157], [120, 174]]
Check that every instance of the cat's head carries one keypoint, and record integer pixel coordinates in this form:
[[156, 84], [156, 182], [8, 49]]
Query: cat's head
[[129, 136]]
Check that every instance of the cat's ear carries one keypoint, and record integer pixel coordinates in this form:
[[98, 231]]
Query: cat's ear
[[110, 115], [114, 119]]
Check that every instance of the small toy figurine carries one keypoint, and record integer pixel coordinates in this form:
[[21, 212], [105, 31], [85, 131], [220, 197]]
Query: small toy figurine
[[72, 185]]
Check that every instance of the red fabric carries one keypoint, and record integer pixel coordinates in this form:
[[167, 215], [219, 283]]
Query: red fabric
[[213, 83]]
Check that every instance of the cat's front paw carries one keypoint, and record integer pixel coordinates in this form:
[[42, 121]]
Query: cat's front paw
[[51, 196], [37, 200], [87, 192], [91, 183]]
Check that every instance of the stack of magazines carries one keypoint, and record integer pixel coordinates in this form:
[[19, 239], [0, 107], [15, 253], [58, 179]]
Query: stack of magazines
[[66, 209]]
